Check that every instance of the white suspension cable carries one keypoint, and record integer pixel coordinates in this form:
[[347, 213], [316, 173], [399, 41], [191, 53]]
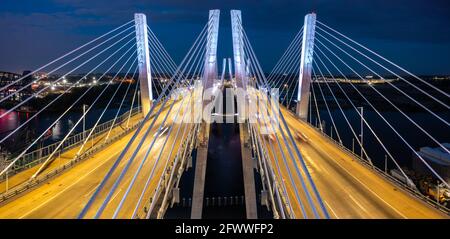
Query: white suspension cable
[[286, 143], [299, 157], [132, 102], [65, 55], [387, 122], [292, 45], [328, 109], [128, 145], [67, 110], [107, 105], [398, 109], [84, 53], [120, 106], [376, 54], [60, 95], [76, 124], [317, 106], [40, 91], [337, 102], [358, 112], [395, 87]]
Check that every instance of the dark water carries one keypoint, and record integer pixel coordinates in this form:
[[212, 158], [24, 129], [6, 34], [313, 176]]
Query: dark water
[[76, 98], [224, 176], [186, 186], [394, 144], [29, 132], [224, 168], [400, 151]]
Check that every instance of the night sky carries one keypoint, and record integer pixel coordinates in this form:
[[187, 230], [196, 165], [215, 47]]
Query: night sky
[[413, 33]]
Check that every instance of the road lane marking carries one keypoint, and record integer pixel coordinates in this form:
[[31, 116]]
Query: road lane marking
[[370, 190], [71, 185], [115, 195], [331, 209], [356, 202], [92, 190]]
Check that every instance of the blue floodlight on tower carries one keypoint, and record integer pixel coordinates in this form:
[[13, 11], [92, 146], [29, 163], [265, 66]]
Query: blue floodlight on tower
[[143, 54], [306, 60]]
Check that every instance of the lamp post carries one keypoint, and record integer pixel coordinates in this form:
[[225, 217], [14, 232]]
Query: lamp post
[[362, 131], [353, 145], [7, 182], [84, 121], [139, 93]]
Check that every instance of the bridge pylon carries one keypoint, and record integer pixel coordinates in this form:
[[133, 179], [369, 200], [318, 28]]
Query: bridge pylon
[[209, 76], [238, 48], [143, 54], [210, 72], [306, 62]]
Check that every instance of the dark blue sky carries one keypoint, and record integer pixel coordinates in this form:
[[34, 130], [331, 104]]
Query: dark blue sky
[[413, 33]]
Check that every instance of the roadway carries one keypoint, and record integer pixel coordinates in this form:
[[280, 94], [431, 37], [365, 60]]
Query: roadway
[[348, 188], [67, 156], [65, 195]]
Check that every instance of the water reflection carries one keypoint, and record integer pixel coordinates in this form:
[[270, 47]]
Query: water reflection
[[9, 122], [33, 129], [57, 131]]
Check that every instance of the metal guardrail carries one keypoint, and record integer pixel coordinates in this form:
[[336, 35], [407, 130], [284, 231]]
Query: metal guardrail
[[181, 158], [16, 190], [404, 186], [37, 156], [270, 176], [42, 178]]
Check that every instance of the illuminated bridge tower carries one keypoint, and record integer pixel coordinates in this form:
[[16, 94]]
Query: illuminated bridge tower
[[238, 48], [210, 73], [306, 60], [143, 54]]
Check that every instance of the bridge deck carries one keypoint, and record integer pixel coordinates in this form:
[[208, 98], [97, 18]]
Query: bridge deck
[[66, 194], [348, 188], [66, 156]]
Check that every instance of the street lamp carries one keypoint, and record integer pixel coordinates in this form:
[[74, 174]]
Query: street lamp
[[362, 130], [84, 121]]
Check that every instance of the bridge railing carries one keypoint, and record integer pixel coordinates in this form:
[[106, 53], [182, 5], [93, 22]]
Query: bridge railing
[[37, 156], [171, 178], [267, 174], [44, 177]]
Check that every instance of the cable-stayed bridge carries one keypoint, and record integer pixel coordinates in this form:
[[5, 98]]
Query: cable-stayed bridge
[[132, 165]]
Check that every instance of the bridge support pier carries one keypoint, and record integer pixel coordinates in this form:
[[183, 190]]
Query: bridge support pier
[[247, 169], [306, 61], [200, 172], [143, 56]]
